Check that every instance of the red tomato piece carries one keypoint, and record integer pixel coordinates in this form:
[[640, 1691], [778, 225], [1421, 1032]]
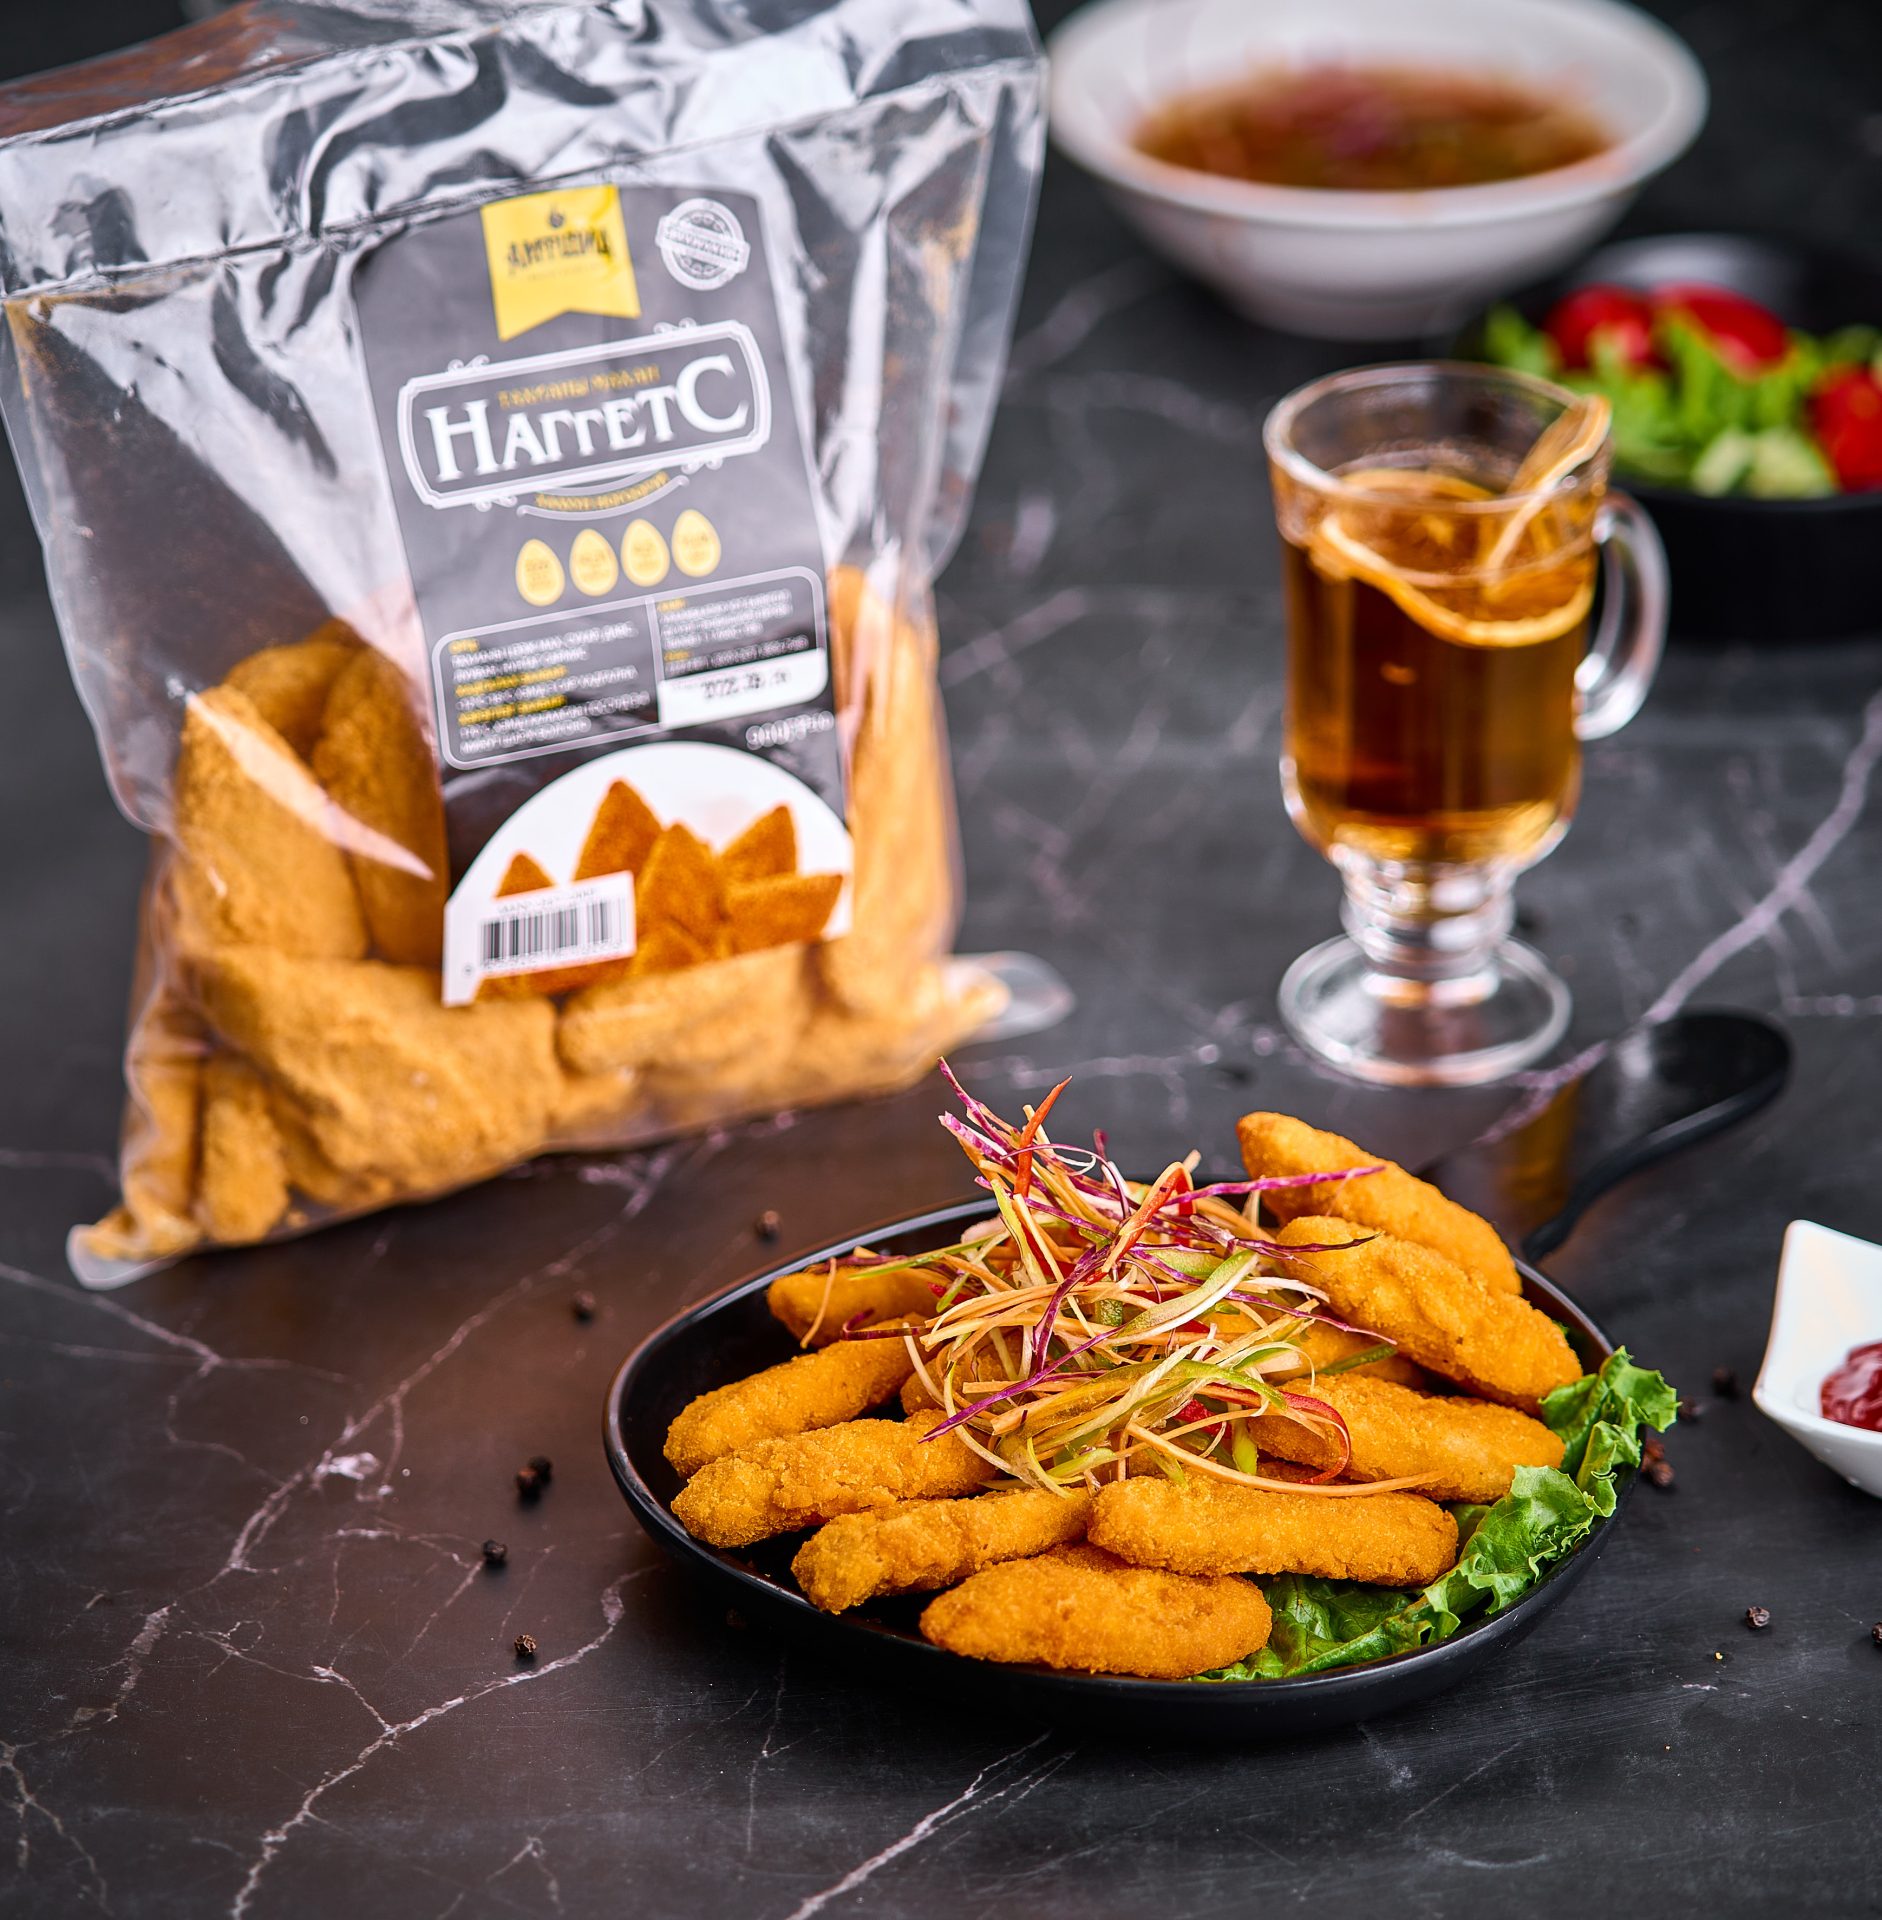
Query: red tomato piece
[[1846, 416], [1749, 337], [1619, 314]]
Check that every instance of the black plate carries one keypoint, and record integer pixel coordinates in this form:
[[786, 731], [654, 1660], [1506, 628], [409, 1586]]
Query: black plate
[[733, 1334], [1755, 569]]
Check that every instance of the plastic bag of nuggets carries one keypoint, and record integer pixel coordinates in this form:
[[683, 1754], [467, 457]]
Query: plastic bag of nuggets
[[493, 542]]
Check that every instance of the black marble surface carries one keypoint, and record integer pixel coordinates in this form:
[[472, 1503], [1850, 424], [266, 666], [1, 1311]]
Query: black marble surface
[[250, 1663]]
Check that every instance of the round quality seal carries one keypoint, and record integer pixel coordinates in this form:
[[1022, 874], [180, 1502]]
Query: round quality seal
[[702, 243]]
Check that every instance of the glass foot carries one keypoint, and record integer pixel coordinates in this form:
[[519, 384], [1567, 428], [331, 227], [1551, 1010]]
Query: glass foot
[[1459, 1031], [1036, 996]]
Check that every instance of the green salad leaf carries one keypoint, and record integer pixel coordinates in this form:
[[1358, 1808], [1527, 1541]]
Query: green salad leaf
[[1698, 422], [1505, 1549]]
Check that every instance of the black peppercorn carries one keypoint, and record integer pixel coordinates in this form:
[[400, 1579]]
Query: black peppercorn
[[525, 1646], [768, 1226], [541, 1466], [1757, 1618], [1875, 1633], [529, 1483], [1659, 1473], [495, 1554], [582, 1306], [1725, 1383], [1691, 1410]]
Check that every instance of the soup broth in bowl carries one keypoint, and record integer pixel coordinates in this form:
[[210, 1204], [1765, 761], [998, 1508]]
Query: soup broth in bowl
[[1373, 129]]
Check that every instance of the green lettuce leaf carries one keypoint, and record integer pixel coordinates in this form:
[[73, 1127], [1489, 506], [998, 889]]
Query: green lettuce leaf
[[1505, 1549]]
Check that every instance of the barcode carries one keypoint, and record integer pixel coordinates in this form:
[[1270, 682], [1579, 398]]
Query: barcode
[[587, 927]]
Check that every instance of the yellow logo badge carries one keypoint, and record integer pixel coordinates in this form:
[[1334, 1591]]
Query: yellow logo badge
[[556, 253]]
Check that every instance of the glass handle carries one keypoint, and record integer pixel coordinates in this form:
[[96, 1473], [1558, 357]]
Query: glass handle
[[1614, 676]]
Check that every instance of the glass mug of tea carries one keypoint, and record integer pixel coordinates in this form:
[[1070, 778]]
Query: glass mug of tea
[[1441, 529]]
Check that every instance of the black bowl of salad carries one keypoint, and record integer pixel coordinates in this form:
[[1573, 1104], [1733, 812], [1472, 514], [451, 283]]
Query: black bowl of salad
[[1746, 381]]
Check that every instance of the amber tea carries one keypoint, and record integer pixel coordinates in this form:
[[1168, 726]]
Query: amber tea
[[1431, 703]]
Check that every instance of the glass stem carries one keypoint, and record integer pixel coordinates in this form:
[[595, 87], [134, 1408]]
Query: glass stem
[[1429, 935]]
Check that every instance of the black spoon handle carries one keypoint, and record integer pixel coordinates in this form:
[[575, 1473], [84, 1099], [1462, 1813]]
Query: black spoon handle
[[1649, 1093]]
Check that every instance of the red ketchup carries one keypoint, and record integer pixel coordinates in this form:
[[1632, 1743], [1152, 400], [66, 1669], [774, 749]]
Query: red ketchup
[[1853, 1392]]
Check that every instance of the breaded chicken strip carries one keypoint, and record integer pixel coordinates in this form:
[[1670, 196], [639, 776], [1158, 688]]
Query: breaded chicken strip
[[375, 759], [1390, 1201], [815, 1299], [983, 1365], [815, 1390], [925, 1545], [244, 1184], [1460, 1449], [1321, 1345], [1086, 1612], [1441, 1316], [805, 1479], [1218, 1526], [290, 684]]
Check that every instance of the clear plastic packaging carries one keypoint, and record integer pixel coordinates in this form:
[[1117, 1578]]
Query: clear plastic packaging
[[372, 674]]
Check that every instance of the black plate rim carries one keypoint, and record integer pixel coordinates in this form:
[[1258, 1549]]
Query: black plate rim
[[1471, 1642]]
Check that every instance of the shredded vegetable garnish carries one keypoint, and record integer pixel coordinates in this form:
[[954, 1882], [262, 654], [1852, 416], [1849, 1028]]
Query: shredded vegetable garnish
[[1102, 1326]]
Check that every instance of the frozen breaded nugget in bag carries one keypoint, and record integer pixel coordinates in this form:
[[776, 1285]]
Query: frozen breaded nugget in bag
[[258, 859], [374, 760], [505, 595]]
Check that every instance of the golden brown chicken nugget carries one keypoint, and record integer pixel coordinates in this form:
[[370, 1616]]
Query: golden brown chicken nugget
[[524, 874], [1085, 1611], [776, 913], [290, 684], [389, 1081], [818, 1303], [694, 1018], [805, 1479], [1323, 1346], [620, 837], [1458, 1449], [1391, 1200], [374, 759], [1442, 1317], [680, 882], [1219, 1526], [925, 1545], [766, 850], [243, 1191], [258, 856], [821, 1389]]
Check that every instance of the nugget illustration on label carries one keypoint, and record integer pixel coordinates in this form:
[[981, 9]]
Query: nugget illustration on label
[[664, 947], [766, 850], [260, 866], [680, 883], [290, 684], [623, 834], [775, 912], [522, 875]]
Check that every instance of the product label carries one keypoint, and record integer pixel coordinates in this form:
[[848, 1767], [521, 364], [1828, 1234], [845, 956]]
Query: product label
[[613, 545]]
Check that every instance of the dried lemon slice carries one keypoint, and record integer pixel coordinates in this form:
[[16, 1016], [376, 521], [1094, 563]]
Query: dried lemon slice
[[1338, 554]]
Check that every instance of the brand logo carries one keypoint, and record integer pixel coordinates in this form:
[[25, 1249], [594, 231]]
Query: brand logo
[[556, 253], [702, 244], [589, 416]]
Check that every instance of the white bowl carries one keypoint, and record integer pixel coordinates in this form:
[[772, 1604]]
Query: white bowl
[[1371, 266], [1829, 1299]]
